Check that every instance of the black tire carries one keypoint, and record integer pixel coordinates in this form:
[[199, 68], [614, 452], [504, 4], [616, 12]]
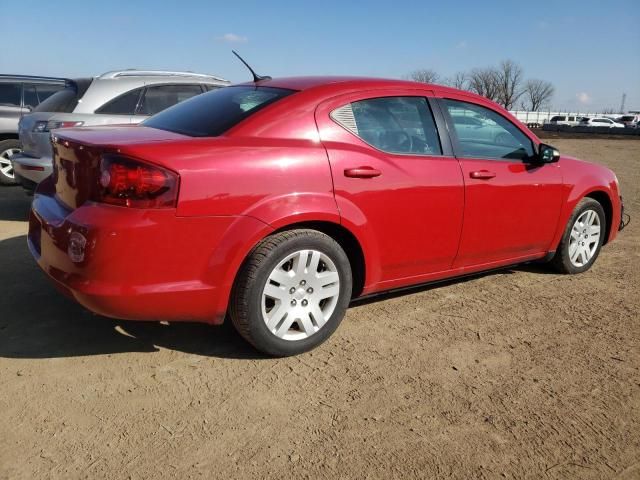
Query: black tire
[[562, 261], [246, 298], [6, 145]]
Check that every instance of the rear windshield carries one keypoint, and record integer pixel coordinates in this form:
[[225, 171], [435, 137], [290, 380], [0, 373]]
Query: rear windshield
[[65, 100], [211, 114]]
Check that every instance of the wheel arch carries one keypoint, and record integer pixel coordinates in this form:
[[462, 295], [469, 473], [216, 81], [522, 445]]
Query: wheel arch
[[603, 199], [347, 240], [9, 136]]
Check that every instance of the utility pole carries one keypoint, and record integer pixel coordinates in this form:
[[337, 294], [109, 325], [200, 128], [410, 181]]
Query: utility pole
[[624, 98]]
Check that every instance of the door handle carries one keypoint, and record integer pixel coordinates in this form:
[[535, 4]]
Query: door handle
[[482, 174], [362, 172]]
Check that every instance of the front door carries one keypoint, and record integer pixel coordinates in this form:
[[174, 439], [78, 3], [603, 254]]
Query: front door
[[512, 204]]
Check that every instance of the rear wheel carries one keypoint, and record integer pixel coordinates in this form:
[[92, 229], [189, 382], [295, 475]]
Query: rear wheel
[[8, 148], [582, 239], [292, 292]]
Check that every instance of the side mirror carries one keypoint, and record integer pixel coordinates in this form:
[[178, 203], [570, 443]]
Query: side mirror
[[548, 154]]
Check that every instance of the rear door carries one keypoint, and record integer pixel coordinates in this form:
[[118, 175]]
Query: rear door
[[393, 171], [512, 204], [10, 106]]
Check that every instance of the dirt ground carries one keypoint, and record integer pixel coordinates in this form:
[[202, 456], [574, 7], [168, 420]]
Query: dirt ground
[[516, 374]]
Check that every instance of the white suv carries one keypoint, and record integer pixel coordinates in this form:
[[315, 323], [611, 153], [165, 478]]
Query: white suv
[[565, 120], [126, 96], [600, 122]]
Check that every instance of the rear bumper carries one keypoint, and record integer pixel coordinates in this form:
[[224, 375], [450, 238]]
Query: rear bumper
[[136, 264], [32, 169]]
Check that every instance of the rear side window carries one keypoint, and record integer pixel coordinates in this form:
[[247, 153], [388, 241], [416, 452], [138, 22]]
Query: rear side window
[[213, 113], [123, 105], [30, 97], [10, 94], [402, 125], [65, 100], [496, 138], [161, 97]]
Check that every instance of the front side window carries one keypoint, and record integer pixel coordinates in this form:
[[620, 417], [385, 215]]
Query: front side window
[[161, 97], [402, 125], [491, 135], [123, 105], [10, 94], [213, 113]]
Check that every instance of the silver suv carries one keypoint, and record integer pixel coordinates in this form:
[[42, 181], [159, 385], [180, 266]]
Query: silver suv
[[19, 94], [120, 97]]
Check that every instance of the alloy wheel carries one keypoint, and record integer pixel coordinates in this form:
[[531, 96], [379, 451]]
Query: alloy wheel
[[6, 168], [585, 238]]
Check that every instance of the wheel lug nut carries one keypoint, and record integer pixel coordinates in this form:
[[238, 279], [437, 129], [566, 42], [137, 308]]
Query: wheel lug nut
[[309, 290], [293, 302], [303, 282], [292, 290], [304, 303]]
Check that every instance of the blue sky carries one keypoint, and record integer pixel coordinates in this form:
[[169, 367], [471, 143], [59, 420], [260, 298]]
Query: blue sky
[[589, 49]]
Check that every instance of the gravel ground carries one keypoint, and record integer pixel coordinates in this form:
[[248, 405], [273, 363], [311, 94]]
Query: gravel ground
[[516, 374]]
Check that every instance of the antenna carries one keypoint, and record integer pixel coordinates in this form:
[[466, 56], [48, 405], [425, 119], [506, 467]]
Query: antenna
[[624, 97], [256, 77]]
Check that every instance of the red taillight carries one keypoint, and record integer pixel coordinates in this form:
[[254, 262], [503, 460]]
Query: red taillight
[[131, 183]]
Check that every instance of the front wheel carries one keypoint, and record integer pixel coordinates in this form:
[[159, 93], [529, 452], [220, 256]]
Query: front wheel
[[582, 239], [292, 292]]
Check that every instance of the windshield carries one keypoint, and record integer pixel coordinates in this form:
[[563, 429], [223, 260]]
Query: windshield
[[65, 100], [211, 114]]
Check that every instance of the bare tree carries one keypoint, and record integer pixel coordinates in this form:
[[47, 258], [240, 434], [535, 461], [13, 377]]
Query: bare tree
[[537, 94], [424, 76], [460, 81], [484, 81], [509, 76]]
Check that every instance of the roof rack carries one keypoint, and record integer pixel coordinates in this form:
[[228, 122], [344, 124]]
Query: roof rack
[[157, 73], [34, 78]]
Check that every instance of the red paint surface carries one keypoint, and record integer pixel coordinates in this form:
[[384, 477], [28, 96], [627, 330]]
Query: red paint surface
[[422, 218]]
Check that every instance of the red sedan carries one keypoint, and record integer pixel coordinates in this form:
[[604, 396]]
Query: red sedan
[[277, 202]]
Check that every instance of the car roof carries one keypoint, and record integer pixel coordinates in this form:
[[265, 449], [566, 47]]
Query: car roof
[[31, 78], [335, 85], [110, 85]]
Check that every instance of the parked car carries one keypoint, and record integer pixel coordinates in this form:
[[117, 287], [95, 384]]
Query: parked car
[[471, 127], [565, 120], [278, 201], [19, 94], [119, 97], [628, 120], [600, 122]]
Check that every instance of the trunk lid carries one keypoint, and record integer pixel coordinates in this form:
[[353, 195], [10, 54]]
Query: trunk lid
[[77, 154]]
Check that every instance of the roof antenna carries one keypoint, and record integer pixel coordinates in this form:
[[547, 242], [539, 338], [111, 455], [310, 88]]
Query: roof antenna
[[256, 77]]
